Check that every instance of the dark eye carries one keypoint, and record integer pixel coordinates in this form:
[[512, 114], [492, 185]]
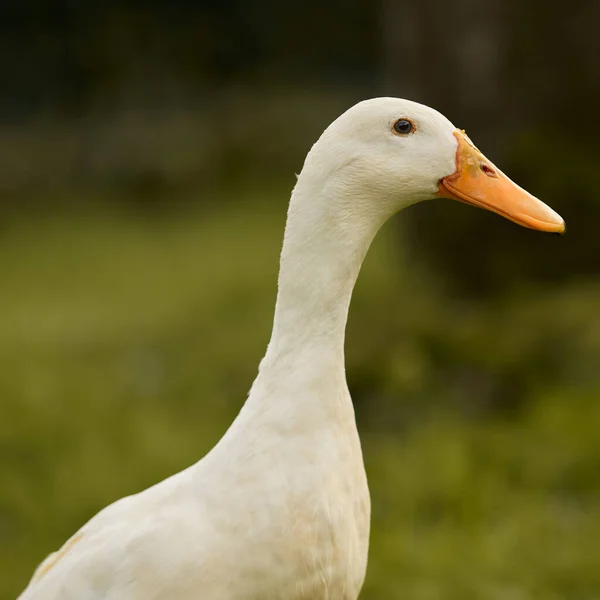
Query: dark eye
[[403, 127]]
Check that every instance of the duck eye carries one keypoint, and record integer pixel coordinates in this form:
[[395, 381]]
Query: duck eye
[[403, 127]]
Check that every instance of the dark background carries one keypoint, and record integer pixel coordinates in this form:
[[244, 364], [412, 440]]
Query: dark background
[[147, 154]]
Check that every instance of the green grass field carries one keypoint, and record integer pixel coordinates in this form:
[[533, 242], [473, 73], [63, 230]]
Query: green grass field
[[128, 344]]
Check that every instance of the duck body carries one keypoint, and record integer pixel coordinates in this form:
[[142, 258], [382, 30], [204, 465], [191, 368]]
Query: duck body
[[211, 532], [280, 507]]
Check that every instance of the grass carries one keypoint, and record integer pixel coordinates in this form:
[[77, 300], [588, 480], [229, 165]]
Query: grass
[[128, 345]]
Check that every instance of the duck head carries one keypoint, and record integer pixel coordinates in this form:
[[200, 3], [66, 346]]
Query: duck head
[[397, 152]]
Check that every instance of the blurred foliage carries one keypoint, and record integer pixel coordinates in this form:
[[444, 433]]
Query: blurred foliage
[[140, 225], [130, 340]]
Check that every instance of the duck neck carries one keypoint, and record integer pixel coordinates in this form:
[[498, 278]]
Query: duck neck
[[320, 261]]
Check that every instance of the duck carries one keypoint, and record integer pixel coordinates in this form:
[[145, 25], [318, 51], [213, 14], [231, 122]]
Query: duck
[[280, 506]]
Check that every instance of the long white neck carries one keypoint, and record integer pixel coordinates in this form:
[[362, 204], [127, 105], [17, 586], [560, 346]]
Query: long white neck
[[320, 261]]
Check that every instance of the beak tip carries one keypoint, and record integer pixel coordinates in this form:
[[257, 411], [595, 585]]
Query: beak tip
[[551, 221], [561, 227], [557, 228]]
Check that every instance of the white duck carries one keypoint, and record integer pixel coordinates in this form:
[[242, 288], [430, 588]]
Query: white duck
[[280, 507]]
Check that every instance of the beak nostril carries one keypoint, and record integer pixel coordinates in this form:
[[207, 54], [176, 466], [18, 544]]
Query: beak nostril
[[487, 170]]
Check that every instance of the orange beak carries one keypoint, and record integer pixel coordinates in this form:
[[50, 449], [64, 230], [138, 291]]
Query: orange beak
[[478, 182]]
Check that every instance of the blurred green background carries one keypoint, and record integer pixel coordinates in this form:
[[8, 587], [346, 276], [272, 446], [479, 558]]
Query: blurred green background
[[148, 152]]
